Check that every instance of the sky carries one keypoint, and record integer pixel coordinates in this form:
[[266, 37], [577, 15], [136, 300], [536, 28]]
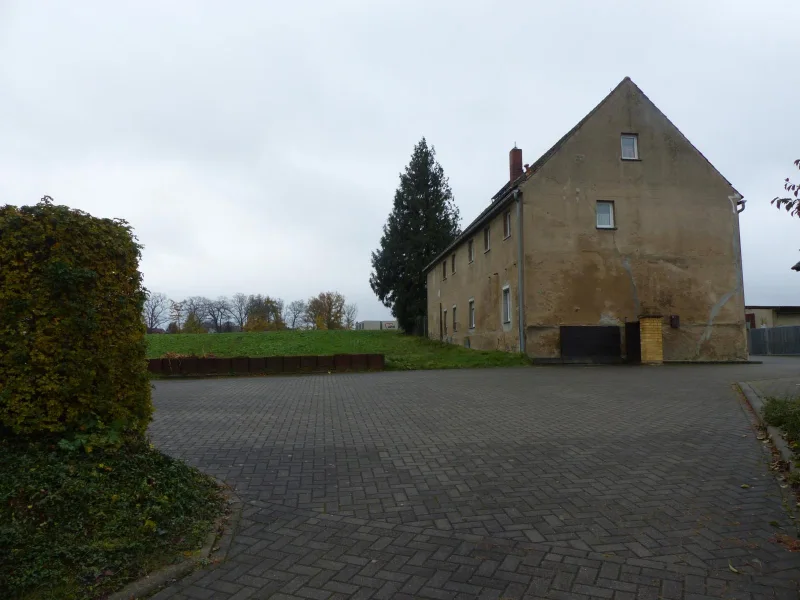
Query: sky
[[256, 146]]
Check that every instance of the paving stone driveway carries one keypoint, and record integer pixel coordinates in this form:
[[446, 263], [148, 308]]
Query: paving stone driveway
[[606, 482]]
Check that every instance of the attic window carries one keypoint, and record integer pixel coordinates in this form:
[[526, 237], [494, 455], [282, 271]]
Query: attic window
[[630, 146]]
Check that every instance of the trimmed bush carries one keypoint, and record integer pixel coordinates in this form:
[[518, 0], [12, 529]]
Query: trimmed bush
[[72, 345]]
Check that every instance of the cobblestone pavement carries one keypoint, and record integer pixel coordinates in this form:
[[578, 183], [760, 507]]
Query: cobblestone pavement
[[610, 482], [782, 387]]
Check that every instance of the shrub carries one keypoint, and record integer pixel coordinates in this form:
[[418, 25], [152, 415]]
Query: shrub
[[76, 525], [256, 323], [193, 325], [784, 413], [72, 344]]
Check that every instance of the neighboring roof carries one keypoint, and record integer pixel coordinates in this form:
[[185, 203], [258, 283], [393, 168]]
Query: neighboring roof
[[776, 308], [504, 195]]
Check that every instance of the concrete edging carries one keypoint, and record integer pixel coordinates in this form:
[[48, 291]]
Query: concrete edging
[[714, 362], [558, 362], [265, 365], [757, 404], [215, 548]]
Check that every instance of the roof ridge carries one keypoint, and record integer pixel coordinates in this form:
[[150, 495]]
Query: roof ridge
[[540, 162], [503, 192], [528, 173]]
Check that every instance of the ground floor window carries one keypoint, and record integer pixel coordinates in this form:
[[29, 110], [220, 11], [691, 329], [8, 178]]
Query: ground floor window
[[506, 305], [472, 313]]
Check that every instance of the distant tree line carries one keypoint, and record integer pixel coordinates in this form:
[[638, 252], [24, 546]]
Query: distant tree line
[[241, 312]]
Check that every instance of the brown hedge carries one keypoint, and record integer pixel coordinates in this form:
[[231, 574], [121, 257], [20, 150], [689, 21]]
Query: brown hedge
[[72, 345]]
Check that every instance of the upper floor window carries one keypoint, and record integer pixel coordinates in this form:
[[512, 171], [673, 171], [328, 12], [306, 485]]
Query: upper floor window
[[471, 250], [455, 323], [453, 263], [630, 146], [444, 269], [486, 239], [444, 320], [605, 214], [507, 225]]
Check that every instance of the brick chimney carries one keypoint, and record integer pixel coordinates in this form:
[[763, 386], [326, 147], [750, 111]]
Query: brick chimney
[[515, 163]]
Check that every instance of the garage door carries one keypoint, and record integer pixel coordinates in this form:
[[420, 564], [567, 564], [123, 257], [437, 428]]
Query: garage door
[[591, 343]]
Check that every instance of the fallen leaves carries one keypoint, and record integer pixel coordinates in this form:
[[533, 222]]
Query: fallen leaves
[[788, 542]]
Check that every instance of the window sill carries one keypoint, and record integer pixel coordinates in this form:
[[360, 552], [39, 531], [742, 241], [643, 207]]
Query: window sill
[[508, 237], [631, 159], [607, 228], [472, 261], [506, 322], [487, 250]]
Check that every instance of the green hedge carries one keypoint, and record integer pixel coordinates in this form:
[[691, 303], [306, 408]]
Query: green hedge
[[72, 345]]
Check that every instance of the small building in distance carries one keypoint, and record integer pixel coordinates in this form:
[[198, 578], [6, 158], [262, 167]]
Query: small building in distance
[[619, 242], [377, 326], [771, 316]]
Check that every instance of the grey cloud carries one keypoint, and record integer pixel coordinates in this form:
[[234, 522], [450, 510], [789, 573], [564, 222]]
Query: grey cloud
[[255, 146]]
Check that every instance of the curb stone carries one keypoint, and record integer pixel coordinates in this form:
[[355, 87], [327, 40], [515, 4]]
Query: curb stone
[[215, 549], [757, 404]]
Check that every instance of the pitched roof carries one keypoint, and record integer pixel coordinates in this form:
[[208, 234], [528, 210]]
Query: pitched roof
[[503, 196]]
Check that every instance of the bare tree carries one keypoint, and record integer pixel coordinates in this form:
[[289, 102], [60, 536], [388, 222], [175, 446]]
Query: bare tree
[[350, 314], [295, 313], [177, 313], [155, 310], [217, 312], [240, 308], [196, 305]]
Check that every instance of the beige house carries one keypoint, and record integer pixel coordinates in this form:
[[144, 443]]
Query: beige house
[[772, 316], [622, 240]]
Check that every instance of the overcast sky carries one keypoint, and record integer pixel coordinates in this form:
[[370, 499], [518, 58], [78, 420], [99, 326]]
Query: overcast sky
[[255, 146]]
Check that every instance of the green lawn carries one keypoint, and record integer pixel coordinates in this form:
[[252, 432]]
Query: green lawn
[[402, 351]]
